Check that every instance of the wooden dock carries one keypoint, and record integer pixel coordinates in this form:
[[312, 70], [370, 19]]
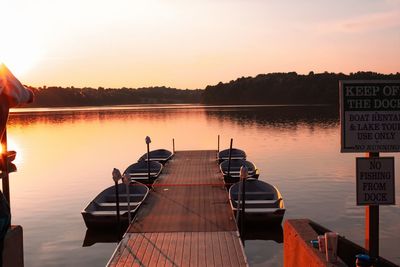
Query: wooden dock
[[185, 221]]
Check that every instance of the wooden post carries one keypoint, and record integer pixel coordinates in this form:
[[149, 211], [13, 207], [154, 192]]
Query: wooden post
[[218, 145], [116, 175], [148, 141], [173, 145], [117, 201], [372, 224], [243, 176], [243, 209], [5, 178], [148, 162], [229, 159], [127, 181]]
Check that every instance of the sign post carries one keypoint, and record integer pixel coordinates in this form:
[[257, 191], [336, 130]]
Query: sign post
[[370, 122]]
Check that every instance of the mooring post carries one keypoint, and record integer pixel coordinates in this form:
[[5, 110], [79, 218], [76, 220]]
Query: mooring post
[[229, 158], [148, 141], [218, 146], [116, 176], [127, 182], [173, 145], [372, 224], [243, 176]]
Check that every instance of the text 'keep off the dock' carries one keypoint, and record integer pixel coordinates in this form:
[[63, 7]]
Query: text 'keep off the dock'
[[370, 116]]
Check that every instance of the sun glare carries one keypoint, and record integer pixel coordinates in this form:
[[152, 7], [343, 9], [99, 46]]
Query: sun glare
[[12, 145], [19, 47], [18, 57]]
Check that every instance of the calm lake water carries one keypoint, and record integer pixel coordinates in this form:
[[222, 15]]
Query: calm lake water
[[65, 158]]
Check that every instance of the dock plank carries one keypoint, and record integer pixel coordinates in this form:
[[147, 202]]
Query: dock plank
[[180, 237], [134, 260], [151, 247], [209, 249], [157, 250], [142, 249], [224, 249], [216, 249], [170, 261]]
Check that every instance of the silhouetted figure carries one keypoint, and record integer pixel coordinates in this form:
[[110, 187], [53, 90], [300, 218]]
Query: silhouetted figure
[[12, 93]]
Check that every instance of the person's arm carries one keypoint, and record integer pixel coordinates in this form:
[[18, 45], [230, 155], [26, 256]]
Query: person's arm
[[4, 109], [13, 89]]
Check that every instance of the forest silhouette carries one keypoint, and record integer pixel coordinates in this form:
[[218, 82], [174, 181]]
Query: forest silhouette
[[270, 89]]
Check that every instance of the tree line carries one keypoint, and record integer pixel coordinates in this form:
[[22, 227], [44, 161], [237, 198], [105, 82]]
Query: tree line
[[272, 88], [286, 88], [71, 96]]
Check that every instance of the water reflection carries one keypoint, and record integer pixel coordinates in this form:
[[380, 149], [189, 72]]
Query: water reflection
[[258, 232], [263, 115], [277, 116], [94, 115], [93, 236], [68, 156]]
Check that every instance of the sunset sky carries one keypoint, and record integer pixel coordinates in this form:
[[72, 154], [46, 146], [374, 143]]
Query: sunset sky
[[193, 43]]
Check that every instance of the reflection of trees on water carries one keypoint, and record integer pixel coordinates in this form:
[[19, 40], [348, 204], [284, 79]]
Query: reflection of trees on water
[[72, 116], [276, 116], [279, 116]]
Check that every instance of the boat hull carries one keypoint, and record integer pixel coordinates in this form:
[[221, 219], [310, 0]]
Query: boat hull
[[235, 154], [264, 218], [263, 202], [105, 222], [101, 212], [160, 155], [139, 171], [234, 170]]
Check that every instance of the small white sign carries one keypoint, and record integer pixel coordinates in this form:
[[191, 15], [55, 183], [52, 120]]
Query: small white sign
[[375, 181]]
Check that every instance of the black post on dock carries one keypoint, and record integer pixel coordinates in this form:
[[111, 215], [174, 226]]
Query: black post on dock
[[218, 146], [116, 176], [173, 145], [243, 177], [372, 224], [117, 199], [148, 141], [229, 159]]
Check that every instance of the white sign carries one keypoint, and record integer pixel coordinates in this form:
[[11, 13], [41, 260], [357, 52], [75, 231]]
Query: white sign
[[370, 116], [375, 181]]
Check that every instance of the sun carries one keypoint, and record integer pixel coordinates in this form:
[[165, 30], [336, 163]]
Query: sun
[[18, 56], [19, 47]]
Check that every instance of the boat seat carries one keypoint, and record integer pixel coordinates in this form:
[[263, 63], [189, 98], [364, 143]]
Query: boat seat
[[227, 158], [261, 210], [107, 212], [144, 173], [112, 198], [114, 204], [261, 201], [236, 171], [262, 195], [140, 178]]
